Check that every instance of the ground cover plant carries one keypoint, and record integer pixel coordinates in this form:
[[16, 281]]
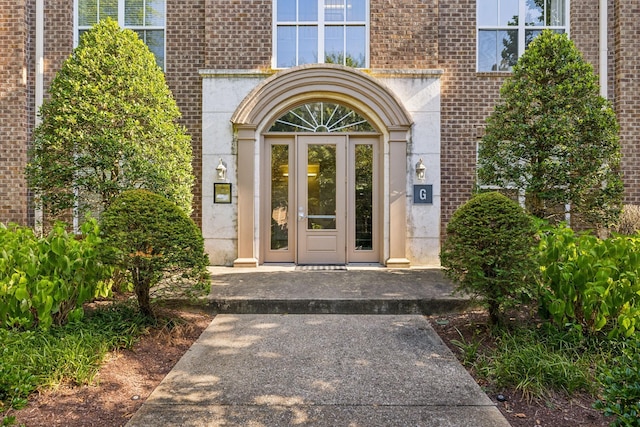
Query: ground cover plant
[[72, 353]]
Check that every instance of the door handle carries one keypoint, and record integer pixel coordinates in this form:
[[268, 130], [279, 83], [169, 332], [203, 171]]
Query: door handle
[[301, 215]]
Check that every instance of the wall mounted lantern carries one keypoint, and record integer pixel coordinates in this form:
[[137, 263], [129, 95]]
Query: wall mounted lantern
[[420, 170], [221, 171]]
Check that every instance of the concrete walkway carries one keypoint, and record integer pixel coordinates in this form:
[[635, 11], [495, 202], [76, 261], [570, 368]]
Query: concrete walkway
[[319, 369]]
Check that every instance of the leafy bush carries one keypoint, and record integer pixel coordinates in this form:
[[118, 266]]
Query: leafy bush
[[629, 220], [152, 235], [488, 249], [110, 124], [46, 280], [590, 282], [71, 353], [621, 387]]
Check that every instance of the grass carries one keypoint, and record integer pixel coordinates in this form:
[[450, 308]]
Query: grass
[[30, 360], [538, 360]]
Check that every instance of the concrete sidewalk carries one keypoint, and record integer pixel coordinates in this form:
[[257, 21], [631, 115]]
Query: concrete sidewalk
[[338, 364]]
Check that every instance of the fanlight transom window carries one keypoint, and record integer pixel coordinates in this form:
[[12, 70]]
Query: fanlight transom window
[[321, 117]]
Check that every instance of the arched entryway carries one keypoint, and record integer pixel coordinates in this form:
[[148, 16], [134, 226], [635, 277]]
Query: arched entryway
[[319, 230]]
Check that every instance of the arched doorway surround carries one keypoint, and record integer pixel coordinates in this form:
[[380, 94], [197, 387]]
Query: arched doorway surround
[[328, 82]]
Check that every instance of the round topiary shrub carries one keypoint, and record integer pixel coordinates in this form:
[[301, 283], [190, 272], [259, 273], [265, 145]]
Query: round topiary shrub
[[151, 235], [488, 251]]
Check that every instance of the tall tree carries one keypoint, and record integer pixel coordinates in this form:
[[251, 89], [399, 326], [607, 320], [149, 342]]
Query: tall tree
[[109, 125], [554, 138]]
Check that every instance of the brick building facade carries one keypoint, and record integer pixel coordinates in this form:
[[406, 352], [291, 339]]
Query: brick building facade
[[421, 89]]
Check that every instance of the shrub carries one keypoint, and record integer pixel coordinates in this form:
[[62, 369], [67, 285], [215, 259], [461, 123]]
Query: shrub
[[621, 387], [46, 280], [629, 220], [152, 235], [488, 249], [589, 282]]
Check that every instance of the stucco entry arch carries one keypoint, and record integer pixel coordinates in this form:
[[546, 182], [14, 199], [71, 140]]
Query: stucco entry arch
[[312, 82]]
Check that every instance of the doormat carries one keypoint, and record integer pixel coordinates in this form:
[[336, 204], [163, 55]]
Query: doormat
[[321, 268]]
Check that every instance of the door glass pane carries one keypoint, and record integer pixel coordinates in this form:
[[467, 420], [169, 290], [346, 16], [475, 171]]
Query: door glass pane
[[321, 187], [364, 197], [279, 197]]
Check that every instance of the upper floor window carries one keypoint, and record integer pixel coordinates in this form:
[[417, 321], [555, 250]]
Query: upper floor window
[[321, 31], [506, 27], [145, 17]]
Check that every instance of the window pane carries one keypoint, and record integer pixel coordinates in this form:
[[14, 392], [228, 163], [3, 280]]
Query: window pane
[[87, 12], [279, 197], [334, 10], [307, 45], [307, 10], [497, 50], [509, 12], [487, 12], [356, 10], [555, 12], [334, 44], [356, 46], [134, 13], [286, 10], [154, 14], [286, 55], [108, 8], [534, 13], [155, 41], [364, 196]]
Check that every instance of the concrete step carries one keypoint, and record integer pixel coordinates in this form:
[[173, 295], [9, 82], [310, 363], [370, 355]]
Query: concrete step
[[350, 290]]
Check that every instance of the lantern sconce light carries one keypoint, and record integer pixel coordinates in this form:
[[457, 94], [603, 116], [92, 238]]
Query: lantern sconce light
[[420, 170], [221, 171]]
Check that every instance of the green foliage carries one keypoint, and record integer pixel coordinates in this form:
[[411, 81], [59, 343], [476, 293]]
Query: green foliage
[[629, 220], [488, 249], [621, 387], [537, 361], [110, 124], [554, 138], [69, 353], [152, 235], [589, 282], [46, 280]]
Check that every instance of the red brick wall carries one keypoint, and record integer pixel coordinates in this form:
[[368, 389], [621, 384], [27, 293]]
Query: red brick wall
[[185, 47], [13, 111], [404, 34], [627, 93], [238, 34]]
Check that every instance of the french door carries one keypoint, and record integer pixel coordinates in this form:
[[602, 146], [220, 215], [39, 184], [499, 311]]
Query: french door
[[322, 204]]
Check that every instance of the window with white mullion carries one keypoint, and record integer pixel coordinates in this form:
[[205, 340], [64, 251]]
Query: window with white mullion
[[506, 27], [145, 17], [320, 31]]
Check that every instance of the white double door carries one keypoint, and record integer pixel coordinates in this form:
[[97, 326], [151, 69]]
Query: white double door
[[322, 203]]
